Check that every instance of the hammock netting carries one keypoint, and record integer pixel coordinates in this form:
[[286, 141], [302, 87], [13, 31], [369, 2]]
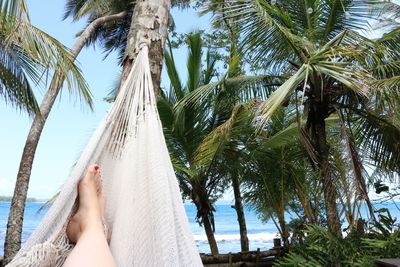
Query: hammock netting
[[144, 209]]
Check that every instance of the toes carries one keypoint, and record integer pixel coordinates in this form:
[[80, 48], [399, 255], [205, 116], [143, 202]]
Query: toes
[[89, 179], [92, 171], [93, 178], [94, 168]]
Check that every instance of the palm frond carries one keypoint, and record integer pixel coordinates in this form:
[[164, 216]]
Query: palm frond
[[194, 61], [379, 140], [214, 143], [14, 8], [282, 138], [80, 8], [14, 84], [248, 87], [173, 75], [280, 95], [111, 36], [259, 21], [44, 54]]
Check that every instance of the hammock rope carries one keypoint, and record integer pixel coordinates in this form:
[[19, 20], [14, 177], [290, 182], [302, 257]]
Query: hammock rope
[[144, 208]]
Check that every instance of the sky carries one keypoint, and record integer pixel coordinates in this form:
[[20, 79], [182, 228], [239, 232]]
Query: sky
[[70, 123]]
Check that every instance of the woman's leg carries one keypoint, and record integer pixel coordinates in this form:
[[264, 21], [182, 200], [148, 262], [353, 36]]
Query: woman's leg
[[86, 227]]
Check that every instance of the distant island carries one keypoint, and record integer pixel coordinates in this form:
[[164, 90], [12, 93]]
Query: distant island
[[29, 199]]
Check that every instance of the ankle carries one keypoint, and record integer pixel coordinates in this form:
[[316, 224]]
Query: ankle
[[93, 227]]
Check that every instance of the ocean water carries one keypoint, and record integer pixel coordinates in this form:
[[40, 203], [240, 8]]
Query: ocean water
[[260, 234]]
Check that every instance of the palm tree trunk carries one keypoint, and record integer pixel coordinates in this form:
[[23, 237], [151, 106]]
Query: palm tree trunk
[[204, 213], [210, 235], [244, 241], [149, 26], [306, 205], [15, 220], [330, 194], [284, 229]]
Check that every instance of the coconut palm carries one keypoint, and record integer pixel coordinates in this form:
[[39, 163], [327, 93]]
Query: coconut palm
[[330, 65], [187, 127], [185, 130], [234, 70], [272, 164], [277, 173], [27, 55], [277, 176]]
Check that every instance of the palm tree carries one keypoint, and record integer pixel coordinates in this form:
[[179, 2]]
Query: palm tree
[[235, 63], [271, 163], [27, 53], [185, 130], [276, 173], [330, 65], [223, 149], [277, 176], [188, 126]]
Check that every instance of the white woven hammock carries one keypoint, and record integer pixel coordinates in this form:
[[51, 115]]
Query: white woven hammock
[[144, 209]]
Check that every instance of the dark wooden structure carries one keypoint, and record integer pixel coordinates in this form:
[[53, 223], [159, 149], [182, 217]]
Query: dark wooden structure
[[251, 258]]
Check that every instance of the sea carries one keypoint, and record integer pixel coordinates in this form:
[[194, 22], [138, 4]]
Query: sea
[[260, 234]]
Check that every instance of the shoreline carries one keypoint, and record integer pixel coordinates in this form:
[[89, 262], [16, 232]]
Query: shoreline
[[29, 199]]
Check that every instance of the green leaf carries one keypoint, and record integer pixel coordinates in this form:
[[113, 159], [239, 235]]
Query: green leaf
[[278, 97]]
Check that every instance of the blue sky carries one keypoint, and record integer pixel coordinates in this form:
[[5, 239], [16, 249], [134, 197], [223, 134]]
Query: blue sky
[[70, 123]]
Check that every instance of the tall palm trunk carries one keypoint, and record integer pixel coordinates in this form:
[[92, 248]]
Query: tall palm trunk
[[205, 213], [330, 193], [244, 240], [149, 26], [210, 235], [15, 220], [318, 111], [284, 228]]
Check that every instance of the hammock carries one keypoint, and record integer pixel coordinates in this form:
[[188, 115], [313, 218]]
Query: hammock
[[144, 209]]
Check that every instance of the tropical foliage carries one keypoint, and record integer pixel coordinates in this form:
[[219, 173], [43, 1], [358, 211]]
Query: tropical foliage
[[361, 247], [187, 128], [111, 36], [27, 57], [330, 70], [309, 147]]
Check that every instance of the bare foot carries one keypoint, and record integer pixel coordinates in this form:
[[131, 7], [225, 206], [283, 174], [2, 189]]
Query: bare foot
[[91, 201]]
